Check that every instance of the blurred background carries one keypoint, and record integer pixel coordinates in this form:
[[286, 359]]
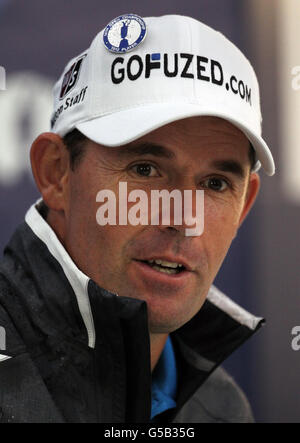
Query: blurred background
[[262, 270]]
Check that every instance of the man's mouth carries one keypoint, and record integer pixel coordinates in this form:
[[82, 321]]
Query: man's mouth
[[164, 266]]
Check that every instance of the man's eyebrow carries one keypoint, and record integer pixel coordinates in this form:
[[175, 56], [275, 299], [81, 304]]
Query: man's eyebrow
[[231, 166], [146, 149]]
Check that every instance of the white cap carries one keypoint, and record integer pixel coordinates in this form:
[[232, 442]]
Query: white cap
[[140, 74]]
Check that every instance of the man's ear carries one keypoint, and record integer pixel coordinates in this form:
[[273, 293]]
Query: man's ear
[[252, 192], [50, 166]]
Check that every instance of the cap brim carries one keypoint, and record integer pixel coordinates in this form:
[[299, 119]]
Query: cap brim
[[120, 128]]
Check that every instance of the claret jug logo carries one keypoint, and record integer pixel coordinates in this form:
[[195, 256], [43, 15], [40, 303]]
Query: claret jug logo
[[124, 33]]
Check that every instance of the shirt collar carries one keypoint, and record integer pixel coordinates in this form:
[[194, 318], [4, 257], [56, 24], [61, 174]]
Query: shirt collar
[[164, 381]]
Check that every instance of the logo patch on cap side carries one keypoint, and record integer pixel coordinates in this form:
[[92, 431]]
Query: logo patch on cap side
[[124, 33], [70, 78]]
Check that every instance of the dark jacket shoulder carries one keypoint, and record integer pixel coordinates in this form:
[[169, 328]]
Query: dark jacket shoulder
[[10, 338], [218, 400]]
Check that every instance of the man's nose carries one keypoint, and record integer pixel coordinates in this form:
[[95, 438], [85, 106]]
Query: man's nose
[[181, 208]]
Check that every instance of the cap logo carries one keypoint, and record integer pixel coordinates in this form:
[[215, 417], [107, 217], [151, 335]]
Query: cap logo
[[124, 33], [70, 78]]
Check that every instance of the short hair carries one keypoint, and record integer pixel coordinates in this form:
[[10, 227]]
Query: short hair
[[252, 157], [75, 142]]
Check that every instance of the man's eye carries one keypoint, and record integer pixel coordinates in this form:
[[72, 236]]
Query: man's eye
[[145, 170], [216, 184]]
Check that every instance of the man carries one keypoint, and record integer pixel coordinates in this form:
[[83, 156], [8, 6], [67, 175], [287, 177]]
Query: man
[[112, 320]]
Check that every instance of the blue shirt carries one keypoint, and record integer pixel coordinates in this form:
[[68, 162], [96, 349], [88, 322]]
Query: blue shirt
[[164, 381]]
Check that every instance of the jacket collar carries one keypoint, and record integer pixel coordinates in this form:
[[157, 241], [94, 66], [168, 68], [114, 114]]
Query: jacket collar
[[77, 279]]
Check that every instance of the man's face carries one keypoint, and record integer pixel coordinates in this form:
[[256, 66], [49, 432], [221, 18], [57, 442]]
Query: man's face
[[197, 153]]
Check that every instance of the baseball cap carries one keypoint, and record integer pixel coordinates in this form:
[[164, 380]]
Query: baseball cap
[[142, 73]]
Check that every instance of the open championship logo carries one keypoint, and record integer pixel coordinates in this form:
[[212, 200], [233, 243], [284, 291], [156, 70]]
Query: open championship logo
[[124, 33]]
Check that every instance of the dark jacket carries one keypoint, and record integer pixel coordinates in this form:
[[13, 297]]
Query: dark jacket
[[77, 353]]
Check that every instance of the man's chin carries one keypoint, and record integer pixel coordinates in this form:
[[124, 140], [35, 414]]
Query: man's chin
[[162, 323], [167, 314]]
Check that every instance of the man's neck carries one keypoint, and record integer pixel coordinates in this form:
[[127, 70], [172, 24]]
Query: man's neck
[[157, 344]]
